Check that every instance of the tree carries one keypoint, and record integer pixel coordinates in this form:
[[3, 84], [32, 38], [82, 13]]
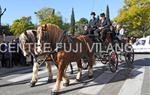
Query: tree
[[1, 14], [6, 30], [48, 15], [135, 14], [80, 26], [107, 14], [83, 21], [66, 26], [21, 25], [72, 25]]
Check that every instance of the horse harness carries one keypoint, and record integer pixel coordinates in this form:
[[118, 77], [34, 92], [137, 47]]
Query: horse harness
[[60, 40]]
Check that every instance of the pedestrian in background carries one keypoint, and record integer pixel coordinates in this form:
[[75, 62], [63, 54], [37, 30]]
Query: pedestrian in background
[[3, 46]]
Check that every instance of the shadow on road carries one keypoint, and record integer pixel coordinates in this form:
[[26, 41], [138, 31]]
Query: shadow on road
[[142, 62], [122, 75], [15, 83]]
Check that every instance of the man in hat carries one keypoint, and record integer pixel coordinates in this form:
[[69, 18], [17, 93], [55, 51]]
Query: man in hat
[[103, 25], [92, 23]]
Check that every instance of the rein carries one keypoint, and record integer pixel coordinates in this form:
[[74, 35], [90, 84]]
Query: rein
[[60, 40], [40, 62]]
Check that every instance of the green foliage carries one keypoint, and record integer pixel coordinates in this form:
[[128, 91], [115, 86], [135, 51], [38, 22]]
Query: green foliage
[[80, 26], [83, 21], [6, 30], [47, 15], [66, 26], [72, 24], [79, 29], [21, 25], [135, 14], [107, 12]]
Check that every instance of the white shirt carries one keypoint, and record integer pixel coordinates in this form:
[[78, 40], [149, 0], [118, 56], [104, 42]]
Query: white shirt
[[121, 32]]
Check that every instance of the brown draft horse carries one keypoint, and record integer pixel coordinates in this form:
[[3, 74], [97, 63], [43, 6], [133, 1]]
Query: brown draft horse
[[52, 34], [29, 38]]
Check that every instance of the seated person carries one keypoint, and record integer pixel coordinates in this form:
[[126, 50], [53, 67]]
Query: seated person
[[91, 27], [103, 25], [120, 32]]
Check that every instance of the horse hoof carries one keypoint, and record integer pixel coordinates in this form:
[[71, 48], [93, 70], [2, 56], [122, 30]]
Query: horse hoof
[[54, 93], [90, 77], [49, 80], [66, 84], [32, 84]]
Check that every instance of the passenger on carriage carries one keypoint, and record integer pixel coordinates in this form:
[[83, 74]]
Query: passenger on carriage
[[103, 26], [120, 32], [92, 24]]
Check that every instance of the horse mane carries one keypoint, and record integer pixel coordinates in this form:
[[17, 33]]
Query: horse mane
[[53, 32], [28, 36]]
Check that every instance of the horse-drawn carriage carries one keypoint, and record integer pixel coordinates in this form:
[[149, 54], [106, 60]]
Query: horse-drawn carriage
[[112, 49]]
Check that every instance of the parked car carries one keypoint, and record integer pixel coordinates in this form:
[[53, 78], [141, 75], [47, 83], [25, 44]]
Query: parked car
[[142, 45]]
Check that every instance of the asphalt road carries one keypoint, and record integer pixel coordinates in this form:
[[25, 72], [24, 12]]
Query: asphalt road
[[103, 83]]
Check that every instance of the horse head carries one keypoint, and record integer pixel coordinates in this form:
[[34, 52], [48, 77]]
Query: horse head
[[26, 42], [47, 34]]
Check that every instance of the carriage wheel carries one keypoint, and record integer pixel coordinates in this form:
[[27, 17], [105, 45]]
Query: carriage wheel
[[129, 56], [104, 61], [113, 61], [104, 55], [104, 58]]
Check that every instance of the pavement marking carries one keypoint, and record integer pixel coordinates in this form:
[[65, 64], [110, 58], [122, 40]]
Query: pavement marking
[[18, 72], [114, 86], [72, 81], [29, 75], [133, 86], [146, 82], [43, 80], [26, 76], [61, 85], [96, 85]]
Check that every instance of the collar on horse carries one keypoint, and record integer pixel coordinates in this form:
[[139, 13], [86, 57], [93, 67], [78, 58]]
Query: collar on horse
[[64, 34], [40, 61]]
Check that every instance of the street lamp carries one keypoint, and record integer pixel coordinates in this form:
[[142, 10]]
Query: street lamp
[[1, 14], [36, 23]]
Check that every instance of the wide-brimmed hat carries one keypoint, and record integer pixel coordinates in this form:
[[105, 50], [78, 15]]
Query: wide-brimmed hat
[[93, 13], [102, 14]]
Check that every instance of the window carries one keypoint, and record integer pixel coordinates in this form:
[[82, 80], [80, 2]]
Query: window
[[141, 42]]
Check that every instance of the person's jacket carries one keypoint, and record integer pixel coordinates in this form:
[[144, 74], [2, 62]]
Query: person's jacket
[[105, 23], [92, 23]]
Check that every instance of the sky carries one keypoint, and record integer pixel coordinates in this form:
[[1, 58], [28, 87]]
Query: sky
[[18, 8]]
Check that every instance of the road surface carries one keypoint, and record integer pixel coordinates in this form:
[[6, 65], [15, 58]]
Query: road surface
[[103, 83]]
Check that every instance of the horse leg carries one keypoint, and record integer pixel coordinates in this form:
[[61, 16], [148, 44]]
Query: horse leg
[[34, 74], [50, 75], [61, 68], [65, 78], [79, 74], [90, 72], [90, 66], [71, 68]]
